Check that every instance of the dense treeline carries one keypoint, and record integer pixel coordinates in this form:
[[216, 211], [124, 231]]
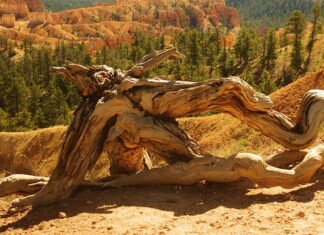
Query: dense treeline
[[59, 5], [32, 97], [270, 13]]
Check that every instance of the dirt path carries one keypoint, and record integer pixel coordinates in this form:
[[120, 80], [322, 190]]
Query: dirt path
[[198, 209]]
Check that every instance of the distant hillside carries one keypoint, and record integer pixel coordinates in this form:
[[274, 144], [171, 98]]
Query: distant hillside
[[60, 5], [109, 24], [269, 13]]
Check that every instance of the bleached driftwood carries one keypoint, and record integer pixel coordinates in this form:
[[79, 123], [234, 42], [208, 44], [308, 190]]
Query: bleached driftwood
[[235, 167], [128, 116], [21, 183]]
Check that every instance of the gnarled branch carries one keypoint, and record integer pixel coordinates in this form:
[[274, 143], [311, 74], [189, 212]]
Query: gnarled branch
[[153, 60]]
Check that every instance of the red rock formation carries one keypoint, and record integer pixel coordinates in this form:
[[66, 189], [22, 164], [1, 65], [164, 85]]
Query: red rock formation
[[8, 20], [219, 13], [38, 18], [180, 13], [114, 23], [17, 7], [20, 8], [233, 17], [197, 18], [35, 5], [175, 17]]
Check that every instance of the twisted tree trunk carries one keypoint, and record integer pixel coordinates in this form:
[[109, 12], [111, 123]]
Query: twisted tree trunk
[[127, 116]]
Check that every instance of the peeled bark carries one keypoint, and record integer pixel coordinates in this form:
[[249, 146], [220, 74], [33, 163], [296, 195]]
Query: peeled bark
[[128, 116]]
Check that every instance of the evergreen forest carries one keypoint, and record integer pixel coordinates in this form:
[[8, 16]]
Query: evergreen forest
[[60, 5], [265, 13]]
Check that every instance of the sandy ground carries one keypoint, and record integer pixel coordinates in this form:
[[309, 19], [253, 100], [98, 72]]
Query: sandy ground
[[199, 209]]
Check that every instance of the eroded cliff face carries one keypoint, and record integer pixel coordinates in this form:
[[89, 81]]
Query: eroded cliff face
[[8, 20], [35, 5], [39, 18], [20, 8], [17, 7]]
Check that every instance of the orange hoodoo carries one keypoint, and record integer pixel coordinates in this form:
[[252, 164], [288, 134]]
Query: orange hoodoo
[[20, 8]]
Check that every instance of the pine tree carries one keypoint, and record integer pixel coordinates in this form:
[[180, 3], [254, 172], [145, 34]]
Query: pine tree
[[62, 53], [22, 121], [284, 40], [248, 76], [194, 55], [21, 93], [46, 65], [226, 63], [4, 120], [315, 21], [54, 107], [3, 83], [193, 58], [87, 60], [245, 45], [267, 85], [104, 56], [213, 50], [296, 24], [39, 119], [271, 47]]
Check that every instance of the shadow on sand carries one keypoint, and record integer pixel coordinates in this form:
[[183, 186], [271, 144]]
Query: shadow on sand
[[184, 200]]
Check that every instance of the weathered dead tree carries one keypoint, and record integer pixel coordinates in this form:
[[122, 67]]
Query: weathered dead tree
[[129, 116]]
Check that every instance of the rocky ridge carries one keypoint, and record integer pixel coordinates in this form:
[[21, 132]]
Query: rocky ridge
[[110, 24]]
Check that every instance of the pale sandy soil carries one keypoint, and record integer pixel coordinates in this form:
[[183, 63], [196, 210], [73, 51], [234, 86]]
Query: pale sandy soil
[[199, 209]]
